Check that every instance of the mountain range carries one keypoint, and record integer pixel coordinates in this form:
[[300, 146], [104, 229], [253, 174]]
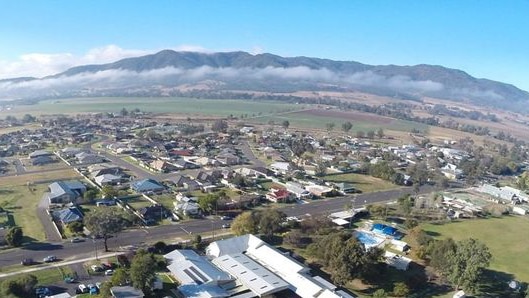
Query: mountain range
[[167, 72]]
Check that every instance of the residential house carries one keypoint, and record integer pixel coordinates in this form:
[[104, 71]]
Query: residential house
[[281, 167], [147, 186], [64, 192], [101, 169], [451, 171], [187, 206], [184, 164], [68, 215], [162, 166], [39, 153], [107, 179], [504, 194], [228, 159], [89, 158], [298, 190], [320, 190], [345, 188], [42, 160], [279, 195], [153, 213], [70, 152]]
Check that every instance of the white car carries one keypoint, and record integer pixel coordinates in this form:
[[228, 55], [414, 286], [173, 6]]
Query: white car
[[109, 272]]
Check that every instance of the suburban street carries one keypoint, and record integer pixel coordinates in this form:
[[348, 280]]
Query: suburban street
[[177, 232]]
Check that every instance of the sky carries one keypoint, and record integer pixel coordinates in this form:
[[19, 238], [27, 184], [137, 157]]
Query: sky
[[485, 38]]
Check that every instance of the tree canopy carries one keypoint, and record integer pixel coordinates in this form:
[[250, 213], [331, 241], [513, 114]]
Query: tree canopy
[[143, 271], [105, 222], [14, 236]]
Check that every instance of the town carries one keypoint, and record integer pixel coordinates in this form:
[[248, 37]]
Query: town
[[192, 184]]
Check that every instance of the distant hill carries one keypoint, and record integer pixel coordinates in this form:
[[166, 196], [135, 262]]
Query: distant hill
[[168, 71]]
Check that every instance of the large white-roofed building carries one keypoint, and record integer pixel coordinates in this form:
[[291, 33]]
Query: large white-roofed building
[[294, 274], [198, 277]]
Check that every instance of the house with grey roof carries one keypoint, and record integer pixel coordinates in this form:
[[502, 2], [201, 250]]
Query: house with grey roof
[[68, 215], [64, 192]]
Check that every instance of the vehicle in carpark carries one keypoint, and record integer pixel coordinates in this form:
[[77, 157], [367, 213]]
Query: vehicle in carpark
[[82, 289], [109, 272], [42, 292]]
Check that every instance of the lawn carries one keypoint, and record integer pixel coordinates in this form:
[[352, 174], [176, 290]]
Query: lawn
[[21, 202], [23, 179], [364, 183], [506, 238]]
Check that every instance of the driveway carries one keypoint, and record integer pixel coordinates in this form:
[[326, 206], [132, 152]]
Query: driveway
[[52, 235]]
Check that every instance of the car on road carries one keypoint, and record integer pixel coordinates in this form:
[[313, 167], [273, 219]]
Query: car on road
[[49, 259], [27, 262], [225, 217], [226, 226], [76, 240]]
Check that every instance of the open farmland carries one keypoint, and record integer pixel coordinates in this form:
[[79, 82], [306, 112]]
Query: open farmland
[[319, 117], [189, 107], [505, 236]]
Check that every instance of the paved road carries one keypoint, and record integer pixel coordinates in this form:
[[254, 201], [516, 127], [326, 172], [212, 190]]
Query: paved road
[[179, 231]]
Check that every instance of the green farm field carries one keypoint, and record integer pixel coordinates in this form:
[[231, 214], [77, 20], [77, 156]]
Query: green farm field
[[176, 105], [505, 236], [317, 118]]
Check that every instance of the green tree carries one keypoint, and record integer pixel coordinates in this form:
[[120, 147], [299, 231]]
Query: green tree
[[27, 118], [220, 126], [330, 126], [75, 227], [380, 133], [124, 112], [19, 286], [14, 236], [143, 271], [105, 222], [270, 221], [321, 168], [244, 223], [380, 293], [466, 264], [347, 126], [285, 124], [208, 203], [160, 247], [108, 191], [90, 195], [400, 289], [370, 134]]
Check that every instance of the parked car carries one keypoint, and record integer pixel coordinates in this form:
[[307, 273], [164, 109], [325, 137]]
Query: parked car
[[76, 240], [49, 259], [96, 268], [42, 292], [109, 272], [226, 226], [225, 217], [27, 262], [83, 288], [69, 279]]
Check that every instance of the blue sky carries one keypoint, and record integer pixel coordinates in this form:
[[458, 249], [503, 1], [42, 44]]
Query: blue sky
[[486, 38]]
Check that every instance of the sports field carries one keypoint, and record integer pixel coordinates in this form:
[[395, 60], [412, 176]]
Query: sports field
[[506, 237]]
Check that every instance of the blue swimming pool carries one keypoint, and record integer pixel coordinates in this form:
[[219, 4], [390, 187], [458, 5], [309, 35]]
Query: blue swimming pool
[[368, 239]]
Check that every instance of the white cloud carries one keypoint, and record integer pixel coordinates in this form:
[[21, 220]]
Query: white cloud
[[45, 64]]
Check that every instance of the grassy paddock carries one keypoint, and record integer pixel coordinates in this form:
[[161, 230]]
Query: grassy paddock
[[362, 182], [189, 106], [506, 238], [23, 179]]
